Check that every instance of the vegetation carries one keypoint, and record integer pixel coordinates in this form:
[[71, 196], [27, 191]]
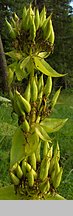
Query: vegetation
[[7, 129], [28, 169], [65, 137], [64, 108]]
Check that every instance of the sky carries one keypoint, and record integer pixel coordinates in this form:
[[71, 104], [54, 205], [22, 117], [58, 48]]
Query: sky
[[71, 3]]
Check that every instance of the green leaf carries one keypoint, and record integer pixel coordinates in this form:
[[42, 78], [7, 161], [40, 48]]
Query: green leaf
[[10, 74], [18, 147], [30, 66], [24, 62], [52, 124], [32, 142], [45, 68], [44, 54], [14, 55], [20, 73], [13, 66], [42, 133], [8, 193], [11, 70], [53, 196]]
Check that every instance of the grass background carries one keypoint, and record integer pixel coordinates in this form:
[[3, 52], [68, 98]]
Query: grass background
[[7, 128], [63, 109]]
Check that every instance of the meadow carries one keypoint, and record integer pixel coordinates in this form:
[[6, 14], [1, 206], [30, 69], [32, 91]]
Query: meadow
[[8, 124]]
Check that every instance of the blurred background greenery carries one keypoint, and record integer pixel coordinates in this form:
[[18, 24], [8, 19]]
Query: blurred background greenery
[[62, 57]]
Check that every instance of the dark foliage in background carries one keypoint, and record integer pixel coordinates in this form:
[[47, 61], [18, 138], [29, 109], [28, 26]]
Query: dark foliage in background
[[62, 57]]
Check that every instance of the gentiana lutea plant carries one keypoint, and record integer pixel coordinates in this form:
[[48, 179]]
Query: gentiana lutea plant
[[34, 170]]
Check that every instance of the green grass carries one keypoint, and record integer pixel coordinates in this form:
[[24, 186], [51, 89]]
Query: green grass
[[7, 129], [63, 109]]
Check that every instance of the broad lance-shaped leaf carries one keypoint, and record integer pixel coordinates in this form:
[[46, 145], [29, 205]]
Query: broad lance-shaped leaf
[[30, 66], [24, 62], [10, 74], [18, 147], [32, 143], [20, 73], [14, 55], [13, 66], [10, 29], [53, 196], [51, 125], [45, 68], [42, 133]]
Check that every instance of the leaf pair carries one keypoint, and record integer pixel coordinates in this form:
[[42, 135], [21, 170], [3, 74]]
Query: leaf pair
[[20, 68], [48, 125], [51, 125], [23, 146], [15, 68], [42, 133], [45, 68]]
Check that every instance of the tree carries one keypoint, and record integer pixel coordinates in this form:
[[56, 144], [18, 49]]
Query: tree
[[3, 67]]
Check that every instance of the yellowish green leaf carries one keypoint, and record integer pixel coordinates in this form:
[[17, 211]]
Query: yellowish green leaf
[[44, 54], [45, 68], [14, 55], [52, 124], [24, 62], [10, 74], [18, 147], [32, 143], [42, 133]]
